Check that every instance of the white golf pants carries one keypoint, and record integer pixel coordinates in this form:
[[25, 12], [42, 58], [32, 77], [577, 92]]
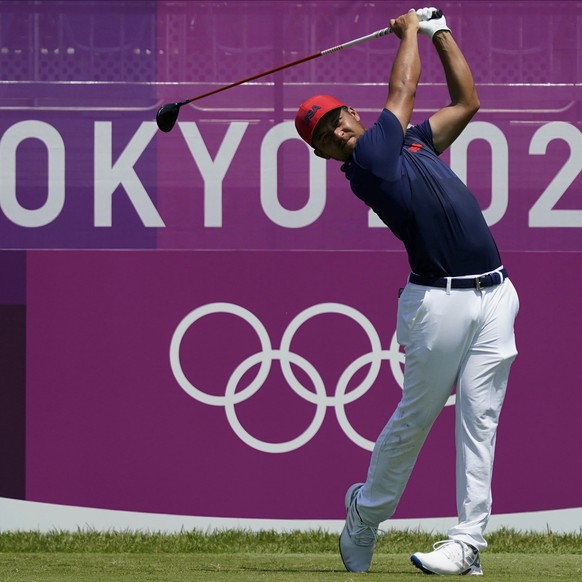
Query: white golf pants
[[462, 338]]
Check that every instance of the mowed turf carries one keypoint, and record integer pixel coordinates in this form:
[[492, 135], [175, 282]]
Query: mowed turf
[[278, 557]]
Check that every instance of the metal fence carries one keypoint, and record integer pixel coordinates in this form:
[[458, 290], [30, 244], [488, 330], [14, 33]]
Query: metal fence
[[179, 41]]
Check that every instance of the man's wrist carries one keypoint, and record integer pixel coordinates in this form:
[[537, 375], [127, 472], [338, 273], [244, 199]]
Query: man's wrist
[[439, 37]]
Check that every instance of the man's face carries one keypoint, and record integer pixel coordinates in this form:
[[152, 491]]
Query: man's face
[[337, 133]]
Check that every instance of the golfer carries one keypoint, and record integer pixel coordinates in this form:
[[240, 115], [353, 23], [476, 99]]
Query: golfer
[[456, 313]]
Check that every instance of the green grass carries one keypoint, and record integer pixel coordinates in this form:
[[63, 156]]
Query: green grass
[[232, 556]]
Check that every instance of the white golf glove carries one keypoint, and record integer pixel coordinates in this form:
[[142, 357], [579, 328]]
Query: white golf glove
[[431, 27]]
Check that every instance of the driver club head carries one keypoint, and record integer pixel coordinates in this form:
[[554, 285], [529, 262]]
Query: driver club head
[[167, 115]]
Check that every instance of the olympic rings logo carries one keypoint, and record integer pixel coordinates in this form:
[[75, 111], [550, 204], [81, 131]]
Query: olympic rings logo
[[286, 357]]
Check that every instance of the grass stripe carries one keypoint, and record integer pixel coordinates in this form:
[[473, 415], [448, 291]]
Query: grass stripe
[[256, 567], [504, 541]]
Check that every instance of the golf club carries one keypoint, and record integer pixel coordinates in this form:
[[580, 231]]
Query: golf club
[[168, 114]]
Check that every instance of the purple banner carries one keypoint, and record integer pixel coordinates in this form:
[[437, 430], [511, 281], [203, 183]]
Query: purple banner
[[235, 383], [242, 356]]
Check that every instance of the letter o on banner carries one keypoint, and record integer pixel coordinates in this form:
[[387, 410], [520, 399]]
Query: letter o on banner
[[55, 199]]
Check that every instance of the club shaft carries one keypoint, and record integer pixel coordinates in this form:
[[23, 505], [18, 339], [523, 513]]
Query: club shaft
[[248, 79], [377, 34], [339, 47]]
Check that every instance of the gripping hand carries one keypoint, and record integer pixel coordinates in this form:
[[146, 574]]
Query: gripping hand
[[431, 21]]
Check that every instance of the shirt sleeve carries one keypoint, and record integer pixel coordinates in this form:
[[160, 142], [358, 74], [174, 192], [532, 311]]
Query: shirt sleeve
[[423, 133], [379, 150]]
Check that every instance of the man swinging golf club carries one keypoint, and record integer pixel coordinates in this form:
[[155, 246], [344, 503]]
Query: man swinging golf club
[[456, 313]]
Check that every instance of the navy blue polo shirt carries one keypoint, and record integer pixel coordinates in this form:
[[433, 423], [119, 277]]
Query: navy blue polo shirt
[[421, 200]]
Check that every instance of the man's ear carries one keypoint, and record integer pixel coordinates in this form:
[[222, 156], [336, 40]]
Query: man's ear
[[320, 154], [354, 113]]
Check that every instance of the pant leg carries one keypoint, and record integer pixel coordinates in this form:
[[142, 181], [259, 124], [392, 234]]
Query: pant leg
[[436, 330], [480, 394]]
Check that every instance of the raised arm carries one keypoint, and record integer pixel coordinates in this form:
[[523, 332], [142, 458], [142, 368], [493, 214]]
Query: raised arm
[[405, 71], [448, 123]]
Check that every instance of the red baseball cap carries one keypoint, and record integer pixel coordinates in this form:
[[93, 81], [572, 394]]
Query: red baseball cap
[[311, 111]]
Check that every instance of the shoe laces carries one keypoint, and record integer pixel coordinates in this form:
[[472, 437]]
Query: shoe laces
[[454, 549], [362, 534], [365, 535]]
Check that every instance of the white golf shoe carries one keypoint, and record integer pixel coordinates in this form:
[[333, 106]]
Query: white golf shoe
[[357, 540], [449, 558]]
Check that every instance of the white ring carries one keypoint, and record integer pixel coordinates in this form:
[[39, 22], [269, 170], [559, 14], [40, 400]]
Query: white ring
[[183, 327], [231, 400], [340, 309]]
